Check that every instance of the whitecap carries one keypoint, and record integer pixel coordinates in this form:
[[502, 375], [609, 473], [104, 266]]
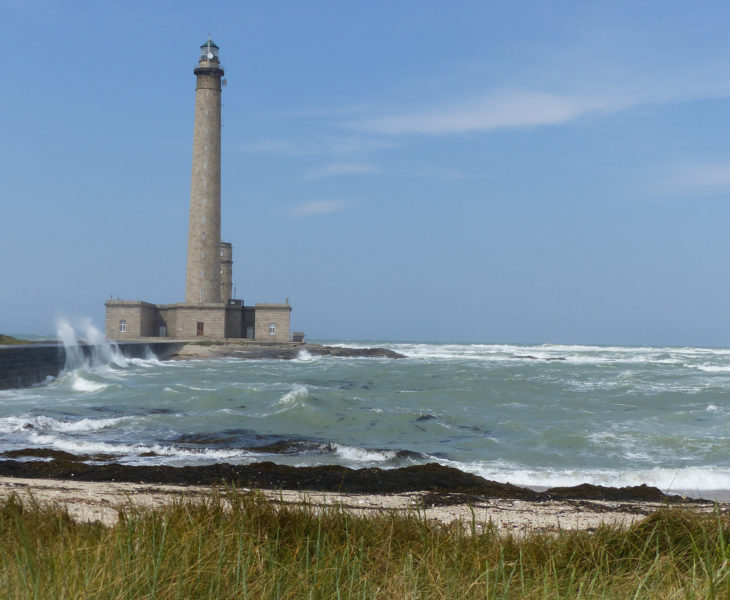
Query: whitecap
[[44, 423], [76, 446], [362, 455], [79, 384], [713, 368], [298, 392], [665, 479], [304, 355]]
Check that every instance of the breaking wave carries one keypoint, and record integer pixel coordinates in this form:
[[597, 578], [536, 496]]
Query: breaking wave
[[687, 479], [297, 393], [43, 423]]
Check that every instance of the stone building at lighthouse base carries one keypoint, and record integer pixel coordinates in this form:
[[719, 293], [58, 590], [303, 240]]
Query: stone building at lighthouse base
[[263, 322]]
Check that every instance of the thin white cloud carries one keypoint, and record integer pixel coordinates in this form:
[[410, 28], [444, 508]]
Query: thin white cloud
[[496, 110], [341, 168], [697, 178], [516, 108], [318, 207]]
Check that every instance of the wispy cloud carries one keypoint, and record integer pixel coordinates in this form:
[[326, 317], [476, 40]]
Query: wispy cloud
[[318, 207], [341, 168], [697, 178], [516, 108], [495, 110]]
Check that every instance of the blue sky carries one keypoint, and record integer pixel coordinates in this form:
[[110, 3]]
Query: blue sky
[[467, 171]]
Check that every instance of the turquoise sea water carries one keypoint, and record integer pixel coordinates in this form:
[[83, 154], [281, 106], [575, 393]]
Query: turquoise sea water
[[531, 415]]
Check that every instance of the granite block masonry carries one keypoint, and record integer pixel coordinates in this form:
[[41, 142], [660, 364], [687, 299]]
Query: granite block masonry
[[209, 310]]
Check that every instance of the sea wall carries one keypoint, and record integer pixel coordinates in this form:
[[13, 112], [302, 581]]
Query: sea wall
[[26, 365]]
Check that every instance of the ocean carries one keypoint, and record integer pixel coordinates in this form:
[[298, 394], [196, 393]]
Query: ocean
[[531, 415]]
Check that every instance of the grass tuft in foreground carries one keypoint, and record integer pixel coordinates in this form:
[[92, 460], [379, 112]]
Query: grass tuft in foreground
[[238, 545]]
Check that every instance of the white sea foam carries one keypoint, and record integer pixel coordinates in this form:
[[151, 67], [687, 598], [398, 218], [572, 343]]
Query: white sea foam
[[98, 354], [576, 354], [78, 446], [207, 453], [361, 455], [688, 478], [79, 384], [294, 395], [713, 368], [304, 356], [133, 451], [43, 423]]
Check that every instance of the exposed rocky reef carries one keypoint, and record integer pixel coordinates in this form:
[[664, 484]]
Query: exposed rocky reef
[[445, 484], [286, 351]]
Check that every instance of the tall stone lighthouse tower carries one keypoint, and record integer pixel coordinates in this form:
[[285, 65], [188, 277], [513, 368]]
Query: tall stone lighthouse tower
[[209, 309], [203, 278]]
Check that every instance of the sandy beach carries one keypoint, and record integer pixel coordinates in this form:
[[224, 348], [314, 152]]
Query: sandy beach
[[101, 501]]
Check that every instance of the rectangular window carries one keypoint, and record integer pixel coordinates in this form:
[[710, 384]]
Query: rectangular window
[[200, 328], [122, 326], [272, 328]]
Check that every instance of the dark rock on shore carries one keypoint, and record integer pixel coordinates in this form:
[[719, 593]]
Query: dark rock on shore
[[445, 484], [316, 350], [285, 351], [587, 491]]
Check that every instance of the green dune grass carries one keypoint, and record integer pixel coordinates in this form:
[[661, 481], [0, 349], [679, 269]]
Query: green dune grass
[[241, 546], [8, 340]]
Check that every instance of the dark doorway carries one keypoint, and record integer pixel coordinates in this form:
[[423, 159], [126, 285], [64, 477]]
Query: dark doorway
[[200, 328]]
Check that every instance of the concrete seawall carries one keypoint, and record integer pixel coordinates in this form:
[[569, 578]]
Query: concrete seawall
[[25, 365]]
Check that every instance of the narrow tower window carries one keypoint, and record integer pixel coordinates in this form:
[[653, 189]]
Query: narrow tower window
[[122, 325], [272, 328]]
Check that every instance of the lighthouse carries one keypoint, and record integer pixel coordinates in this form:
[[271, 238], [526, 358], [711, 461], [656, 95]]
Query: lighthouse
[[203, 275], [210, 310]]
